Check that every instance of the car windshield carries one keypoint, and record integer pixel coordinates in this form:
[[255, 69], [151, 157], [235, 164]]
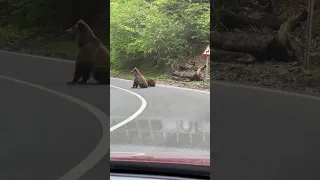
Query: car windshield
[[266, 88], [80, 80], [165, 41]]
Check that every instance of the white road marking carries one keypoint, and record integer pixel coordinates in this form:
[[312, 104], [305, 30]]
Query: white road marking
[[139, 111], [211, 83], [72, 62], [102, 147], [187, 89]]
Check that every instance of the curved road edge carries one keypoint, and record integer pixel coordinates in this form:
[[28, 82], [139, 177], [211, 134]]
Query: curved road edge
[[211, 82], [162, 85], [269, 90], [133, 116], [72, 62], [102, 147]]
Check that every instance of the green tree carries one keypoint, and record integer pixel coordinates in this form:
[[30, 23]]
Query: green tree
[[161, 31]]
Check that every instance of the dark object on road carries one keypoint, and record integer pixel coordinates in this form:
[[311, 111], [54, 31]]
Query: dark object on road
[[93, 58], [151, 82], [138, 79]]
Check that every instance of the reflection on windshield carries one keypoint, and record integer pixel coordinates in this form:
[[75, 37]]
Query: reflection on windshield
[[165, 133]]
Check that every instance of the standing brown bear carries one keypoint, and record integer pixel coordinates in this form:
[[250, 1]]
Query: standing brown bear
[[93, 58]]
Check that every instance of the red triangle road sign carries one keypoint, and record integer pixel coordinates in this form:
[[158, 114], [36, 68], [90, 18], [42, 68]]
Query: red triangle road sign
[[207, 51]]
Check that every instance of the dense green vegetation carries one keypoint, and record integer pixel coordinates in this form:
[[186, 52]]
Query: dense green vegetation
[[157, 33], [26, 20], [149, 33]]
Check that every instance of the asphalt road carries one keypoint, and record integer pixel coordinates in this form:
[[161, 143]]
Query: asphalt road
[[264, 135], [48, 127], [174, 120]]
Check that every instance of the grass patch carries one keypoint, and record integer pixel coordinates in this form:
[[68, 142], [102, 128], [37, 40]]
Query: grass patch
[[128, 75], [68, 48], [44, 45], [11, 33]]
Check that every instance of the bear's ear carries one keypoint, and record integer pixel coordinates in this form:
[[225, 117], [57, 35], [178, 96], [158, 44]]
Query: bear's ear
[[80, 21], [81, 26]]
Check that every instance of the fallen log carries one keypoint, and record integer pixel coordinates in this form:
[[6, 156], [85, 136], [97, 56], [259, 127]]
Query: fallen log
[[227, 56], [190, 65], [180, 79], [280, 45], [233, 20], [262, 5], [291, 43], [191, 75], [261, 46]]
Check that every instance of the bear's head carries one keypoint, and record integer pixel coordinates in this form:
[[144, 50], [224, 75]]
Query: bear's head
[[83, 33], [135, 71], [80, 26]]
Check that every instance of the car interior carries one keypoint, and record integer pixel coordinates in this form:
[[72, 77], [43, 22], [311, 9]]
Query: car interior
[[152, 171]]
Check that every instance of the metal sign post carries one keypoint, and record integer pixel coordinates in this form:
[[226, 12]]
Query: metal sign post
[[309, 32], [206, 53], [207, 69]]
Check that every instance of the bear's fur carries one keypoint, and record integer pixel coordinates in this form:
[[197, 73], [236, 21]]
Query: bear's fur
[[92, 59], [138, 80], [151, 82]]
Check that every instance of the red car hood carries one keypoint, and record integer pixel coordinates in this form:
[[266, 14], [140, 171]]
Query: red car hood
[[199, 159]]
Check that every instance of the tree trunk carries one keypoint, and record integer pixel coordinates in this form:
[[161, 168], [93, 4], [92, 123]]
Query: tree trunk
[[280, 45]]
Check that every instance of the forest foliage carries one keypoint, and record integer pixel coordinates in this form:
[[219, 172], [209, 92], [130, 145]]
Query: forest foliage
[[160, 32], [157, 32], [23, 19]]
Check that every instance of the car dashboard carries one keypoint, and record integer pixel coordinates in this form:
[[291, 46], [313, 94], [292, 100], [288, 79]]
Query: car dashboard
[[120, 176], [121, 170]]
